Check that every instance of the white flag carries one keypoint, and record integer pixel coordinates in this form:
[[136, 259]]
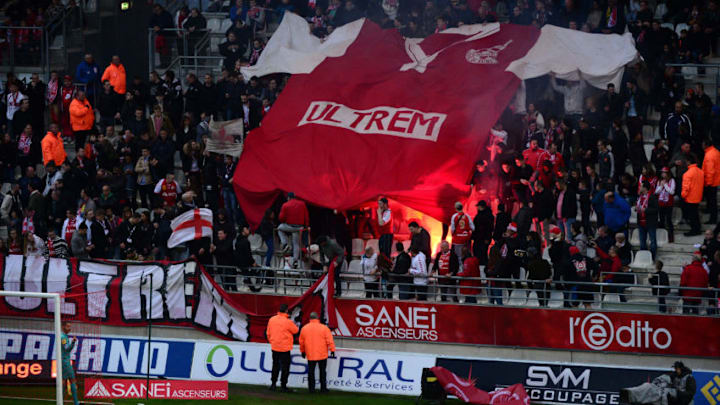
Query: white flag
[[191, 225], [223, 135]]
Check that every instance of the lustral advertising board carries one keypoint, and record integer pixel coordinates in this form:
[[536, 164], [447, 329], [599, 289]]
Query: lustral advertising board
[[576, 384], [350, 370]]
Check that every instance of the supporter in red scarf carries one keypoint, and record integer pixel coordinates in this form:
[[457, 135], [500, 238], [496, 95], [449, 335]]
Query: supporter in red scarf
[[647, 217], [53, 91], [67, 94]]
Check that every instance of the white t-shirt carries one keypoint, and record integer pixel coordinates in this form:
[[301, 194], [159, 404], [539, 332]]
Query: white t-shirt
[[418, 269], [369, 265]]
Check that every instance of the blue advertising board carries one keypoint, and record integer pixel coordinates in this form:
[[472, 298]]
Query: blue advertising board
[[106, 355]]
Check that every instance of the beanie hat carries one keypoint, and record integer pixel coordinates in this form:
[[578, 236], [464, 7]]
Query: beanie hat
[[512, 227], [574, 250], [555, 233]]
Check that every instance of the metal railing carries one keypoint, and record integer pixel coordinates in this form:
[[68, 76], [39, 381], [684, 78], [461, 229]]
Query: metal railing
[[696, 71], [178, 40], [615, 296], [32, 51]]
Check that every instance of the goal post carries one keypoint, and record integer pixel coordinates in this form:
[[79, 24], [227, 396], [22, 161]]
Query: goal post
[[57, 328]]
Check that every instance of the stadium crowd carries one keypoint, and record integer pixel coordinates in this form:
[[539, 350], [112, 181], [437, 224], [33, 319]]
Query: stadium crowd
[[107, 145]]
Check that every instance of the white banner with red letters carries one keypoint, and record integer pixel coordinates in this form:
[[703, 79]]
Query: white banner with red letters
[[133, 294]]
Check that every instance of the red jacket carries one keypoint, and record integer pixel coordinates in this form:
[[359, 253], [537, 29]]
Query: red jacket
[[694, 275], [532, 157], [471, 268], [609, 264], [294, 212]]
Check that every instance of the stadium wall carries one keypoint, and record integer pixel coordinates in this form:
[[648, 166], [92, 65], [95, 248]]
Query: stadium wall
[[360, 365]]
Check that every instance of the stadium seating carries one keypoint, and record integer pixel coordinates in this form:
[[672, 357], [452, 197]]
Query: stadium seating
[[357, 247], [556, 299], [373, 243], [662, 237], [354, 267], [532, 300], [518, 297], [643, 260]]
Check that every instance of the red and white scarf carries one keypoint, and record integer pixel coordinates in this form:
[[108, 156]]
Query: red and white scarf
[[27, 224], [642, 204], [70, 229], [52, 91]]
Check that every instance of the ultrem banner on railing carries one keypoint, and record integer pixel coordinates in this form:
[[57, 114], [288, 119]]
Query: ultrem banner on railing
[[128, 294]]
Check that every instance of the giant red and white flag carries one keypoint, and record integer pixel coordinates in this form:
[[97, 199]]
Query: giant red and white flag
[[468, 393], [190, 225], [379, 114]]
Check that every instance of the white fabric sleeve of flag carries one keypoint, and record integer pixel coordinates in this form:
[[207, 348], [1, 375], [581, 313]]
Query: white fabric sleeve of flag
[[573, 55], [294, 49]]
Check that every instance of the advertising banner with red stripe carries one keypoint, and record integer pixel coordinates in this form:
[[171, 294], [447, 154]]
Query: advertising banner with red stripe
[[519, 327], [132, 294], [184, 294]]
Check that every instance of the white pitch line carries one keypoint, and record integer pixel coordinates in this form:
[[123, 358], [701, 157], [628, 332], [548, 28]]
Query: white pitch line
[[52, 400]]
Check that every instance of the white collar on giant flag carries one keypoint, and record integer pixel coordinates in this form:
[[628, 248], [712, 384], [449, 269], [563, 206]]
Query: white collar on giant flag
[[420, 60]]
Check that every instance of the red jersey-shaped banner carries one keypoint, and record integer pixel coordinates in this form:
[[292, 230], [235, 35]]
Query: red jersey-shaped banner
[[404, 118]]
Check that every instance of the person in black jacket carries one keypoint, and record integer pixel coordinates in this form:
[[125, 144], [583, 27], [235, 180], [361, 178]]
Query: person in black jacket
[[684, 384], [161, 231], [210, 180], [567, 202], [584, 196], [400, 273], [250, 112], [193, 96], [581, 269], [222, 250], [660, 282], [484, 222], [108, 105], [420, 240], [232, 50], [210, 95], [512, 254], [524, 218], [543, 201], [266, 230], [98, 241], [539, 275], [244, 258], [559, 252], [502, 220]]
